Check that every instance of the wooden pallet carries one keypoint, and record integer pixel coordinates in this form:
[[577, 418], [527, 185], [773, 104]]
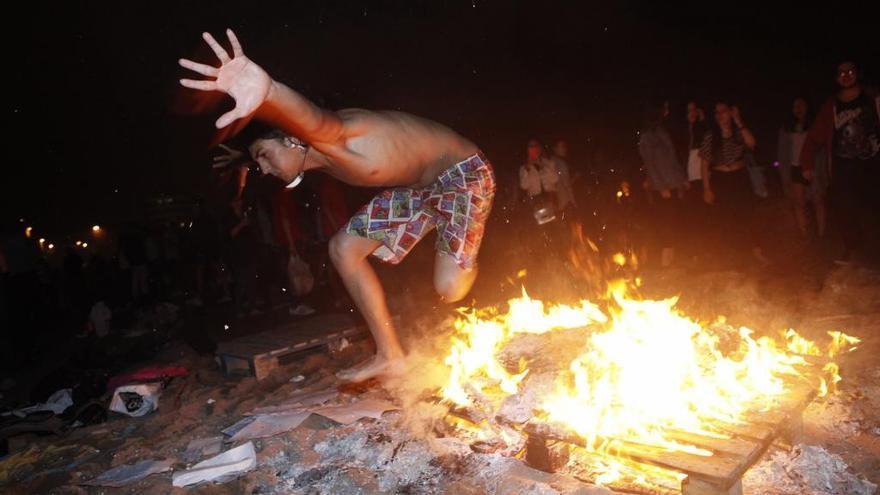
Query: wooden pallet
[[258, 354], [547, 448]]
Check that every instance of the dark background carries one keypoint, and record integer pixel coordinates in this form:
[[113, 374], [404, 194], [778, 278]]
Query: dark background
[[96, 122]]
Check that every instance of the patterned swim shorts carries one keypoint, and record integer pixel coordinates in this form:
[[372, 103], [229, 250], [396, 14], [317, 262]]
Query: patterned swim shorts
[[457, 203]]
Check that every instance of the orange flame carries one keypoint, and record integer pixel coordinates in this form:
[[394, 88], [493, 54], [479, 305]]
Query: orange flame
[[646, 369]]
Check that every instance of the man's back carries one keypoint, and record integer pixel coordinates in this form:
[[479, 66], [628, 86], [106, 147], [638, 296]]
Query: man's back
[[396, 149]]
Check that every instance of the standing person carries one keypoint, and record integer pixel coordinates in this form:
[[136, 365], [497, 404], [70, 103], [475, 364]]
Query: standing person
[[539, 178], [436, 178], [726, 183], [696, 131], [333, 214], [796, 186], [565, 199], [292, 235], [667, 180], [131, 243], [203, 248], [242, 247], [694, 216], [848, 128]]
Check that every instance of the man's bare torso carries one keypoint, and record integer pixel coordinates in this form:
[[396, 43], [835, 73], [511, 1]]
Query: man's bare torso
[[391, 149]]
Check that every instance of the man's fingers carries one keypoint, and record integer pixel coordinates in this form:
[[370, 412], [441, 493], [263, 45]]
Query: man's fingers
[[218, 50], [236, 46], [227, 118], [200, 85], [227, 148], [205, 70]]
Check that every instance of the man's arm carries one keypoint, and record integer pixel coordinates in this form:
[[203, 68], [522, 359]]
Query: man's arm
[[296, 115], [256, 93]]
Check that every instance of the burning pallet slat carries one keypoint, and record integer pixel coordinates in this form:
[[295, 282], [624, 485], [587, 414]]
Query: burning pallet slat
[[718, 474]]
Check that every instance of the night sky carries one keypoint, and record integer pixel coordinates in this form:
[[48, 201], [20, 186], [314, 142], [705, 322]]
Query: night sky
[[97, 122]]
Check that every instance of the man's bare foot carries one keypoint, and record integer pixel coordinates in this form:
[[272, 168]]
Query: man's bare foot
[[375, 367]]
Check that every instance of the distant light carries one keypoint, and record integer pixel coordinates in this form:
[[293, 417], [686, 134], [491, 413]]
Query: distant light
[[21, 220], [79, 243], [28, 231], [96, 228], [619, 194], [42, 241], [51, 246], [225, 327], [85, 245]]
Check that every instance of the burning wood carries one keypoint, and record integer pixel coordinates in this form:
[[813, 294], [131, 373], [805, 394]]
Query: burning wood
[[647, 385]]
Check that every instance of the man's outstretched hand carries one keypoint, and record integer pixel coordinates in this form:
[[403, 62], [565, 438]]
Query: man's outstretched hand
[[231, 156], [246, 82]]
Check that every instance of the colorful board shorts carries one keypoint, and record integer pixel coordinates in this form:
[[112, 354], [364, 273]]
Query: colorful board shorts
[[457, 203]]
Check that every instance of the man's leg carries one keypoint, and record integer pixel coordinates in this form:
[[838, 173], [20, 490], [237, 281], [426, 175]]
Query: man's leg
[[349, 255], [451, 281]]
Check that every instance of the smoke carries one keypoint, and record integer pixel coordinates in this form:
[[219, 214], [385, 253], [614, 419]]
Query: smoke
[[427, 339]]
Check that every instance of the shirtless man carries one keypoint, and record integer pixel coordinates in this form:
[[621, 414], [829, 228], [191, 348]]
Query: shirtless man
[[436, 178]]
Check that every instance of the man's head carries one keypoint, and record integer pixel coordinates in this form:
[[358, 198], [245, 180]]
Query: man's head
[[534, 150], [847, 75], [280, 155], [560, 149], [722, 114], [693, 112], [799, 109]]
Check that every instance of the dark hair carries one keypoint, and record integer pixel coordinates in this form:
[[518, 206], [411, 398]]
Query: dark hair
[[653, 114], [791, 121], [845, 61], [254, 132]]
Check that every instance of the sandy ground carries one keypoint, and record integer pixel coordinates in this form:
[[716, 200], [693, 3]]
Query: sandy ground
[[402, 452]]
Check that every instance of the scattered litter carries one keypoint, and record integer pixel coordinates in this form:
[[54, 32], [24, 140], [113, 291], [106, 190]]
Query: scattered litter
[[57, 403], [805, 470], [340, 345], [232, 430], [349, 413], [221, 468], [267, 425], [201, 447], [35, 462], [136, 400], [129, 473], [298, 401], [297, 379], [211, 401]]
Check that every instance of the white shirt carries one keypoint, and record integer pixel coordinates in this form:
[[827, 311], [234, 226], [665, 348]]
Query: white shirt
[[543, 176]]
